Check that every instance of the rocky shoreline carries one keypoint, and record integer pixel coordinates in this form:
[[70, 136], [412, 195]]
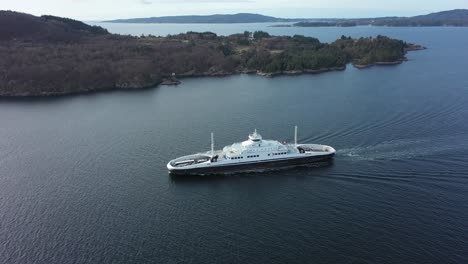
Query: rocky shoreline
[[411, 47], [176, 79]]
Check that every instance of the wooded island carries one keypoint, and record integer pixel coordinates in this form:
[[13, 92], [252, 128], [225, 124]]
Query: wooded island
[[54, 56]]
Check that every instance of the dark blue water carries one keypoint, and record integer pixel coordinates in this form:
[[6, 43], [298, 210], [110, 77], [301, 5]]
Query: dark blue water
[[83, 178]]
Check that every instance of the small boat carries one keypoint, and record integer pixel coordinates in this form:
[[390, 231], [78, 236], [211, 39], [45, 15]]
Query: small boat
[[253, 154]]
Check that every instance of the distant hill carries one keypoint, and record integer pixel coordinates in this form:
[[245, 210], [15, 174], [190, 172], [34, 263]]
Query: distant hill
[[22, 26], [457, 14], [457, 17], [211, 19]]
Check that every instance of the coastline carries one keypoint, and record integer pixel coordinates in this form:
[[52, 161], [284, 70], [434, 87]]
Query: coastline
[[412, 47], [174, 81]]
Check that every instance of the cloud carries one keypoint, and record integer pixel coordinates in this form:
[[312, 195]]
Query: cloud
[[149, 2]]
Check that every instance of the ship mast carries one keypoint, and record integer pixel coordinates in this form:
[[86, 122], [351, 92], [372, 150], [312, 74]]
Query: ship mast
[[295, 135], [212, 144]]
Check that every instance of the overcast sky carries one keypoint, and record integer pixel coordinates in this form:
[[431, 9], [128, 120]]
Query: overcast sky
[[110, 9]]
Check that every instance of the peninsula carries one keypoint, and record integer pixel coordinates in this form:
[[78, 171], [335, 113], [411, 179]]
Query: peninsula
[[49, 55]]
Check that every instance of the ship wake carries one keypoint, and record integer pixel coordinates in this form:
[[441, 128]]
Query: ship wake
[[403, 149]]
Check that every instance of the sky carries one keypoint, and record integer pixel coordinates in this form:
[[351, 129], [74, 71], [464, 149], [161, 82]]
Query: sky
[[94, 10]]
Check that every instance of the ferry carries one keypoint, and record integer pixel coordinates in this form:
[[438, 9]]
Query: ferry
[[253, 154]]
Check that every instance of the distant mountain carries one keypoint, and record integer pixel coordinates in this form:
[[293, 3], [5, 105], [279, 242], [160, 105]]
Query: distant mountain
[[457, 14], [210, 19], [458, 17], [22, 26]]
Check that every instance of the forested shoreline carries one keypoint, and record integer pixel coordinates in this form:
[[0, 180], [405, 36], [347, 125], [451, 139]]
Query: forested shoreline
[[49, 55]]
